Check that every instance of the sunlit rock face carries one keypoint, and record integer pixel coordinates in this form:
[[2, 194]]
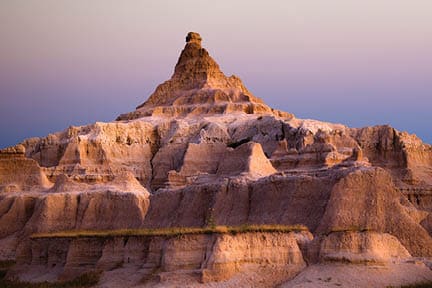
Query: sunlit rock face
[[199, 87], [203, 151]]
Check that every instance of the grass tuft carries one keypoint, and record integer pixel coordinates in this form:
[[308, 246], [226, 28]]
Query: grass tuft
[[171, 231], [350, 229], [6, 264], [416, 285], [88, 279], [4, 267]]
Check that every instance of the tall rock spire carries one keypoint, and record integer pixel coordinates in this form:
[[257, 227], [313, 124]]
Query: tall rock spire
[[198, 86], [195, 66]]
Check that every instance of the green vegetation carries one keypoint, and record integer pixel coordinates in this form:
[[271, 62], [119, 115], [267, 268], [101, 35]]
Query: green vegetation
[[238, 143], [210, 221], [172, 231], [6, 264], [416, 285], [350, 229], [86, 280], [4, 267]]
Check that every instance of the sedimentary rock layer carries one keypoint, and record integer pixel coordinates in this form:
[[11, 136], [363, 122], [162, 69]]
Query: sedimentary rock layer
[[208, 258]]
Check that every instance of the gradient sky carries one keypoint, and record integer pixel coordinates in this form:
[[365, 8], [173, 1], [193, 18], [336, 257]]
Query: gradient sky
[[75, 62]]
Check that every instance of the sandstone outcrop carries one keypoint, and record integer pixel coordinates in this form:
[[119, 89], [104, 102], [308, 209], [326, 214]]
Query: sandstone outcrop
[[203, 151], [18, 173], [208, 258], [361, 247]]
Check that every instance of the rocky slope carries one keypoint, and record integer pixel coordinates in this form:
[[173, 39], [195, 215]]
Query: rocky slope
[[202, 150]]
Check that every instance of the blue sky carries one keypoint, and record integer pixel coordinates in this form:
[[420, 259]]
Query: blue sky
[[358, 63]]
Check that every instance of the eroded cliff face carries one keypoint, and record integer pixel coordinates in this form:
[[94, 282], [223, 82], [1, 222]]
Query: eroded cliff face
[[157, 260], [202, 150]]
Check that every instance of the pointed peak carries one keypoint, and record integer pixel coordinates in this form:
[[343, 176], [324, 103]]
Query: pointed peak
[[195, 66], [193, 37], [199, 87]]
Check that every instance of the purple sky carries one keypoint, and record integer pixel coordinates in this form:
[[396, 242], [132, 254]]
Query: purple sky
[[75, 62]]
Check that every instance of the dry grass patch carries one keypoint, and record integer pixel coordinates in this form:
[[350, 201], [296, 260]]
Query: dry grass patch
[[416, 285], [172, 231], [350, 229], [6, 264], [88, 279]]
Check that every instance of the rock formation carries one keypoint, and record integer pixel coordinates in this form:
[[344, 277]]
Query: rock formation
[[202, 151], [199, 87]]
